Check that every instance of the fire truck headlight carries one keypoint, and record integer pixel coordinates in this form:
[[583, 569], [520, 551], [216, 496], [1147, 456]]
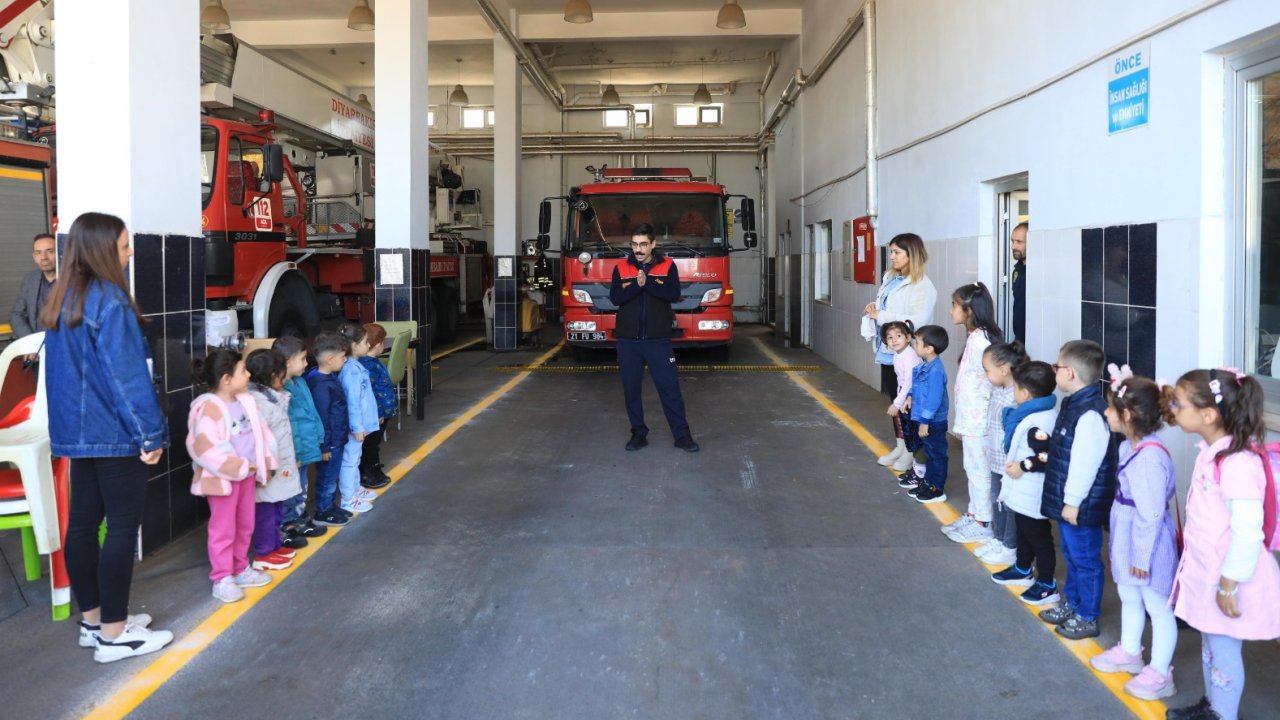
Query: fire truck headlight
[[582, 296], [713, 324], [584, 258], [711, 295]]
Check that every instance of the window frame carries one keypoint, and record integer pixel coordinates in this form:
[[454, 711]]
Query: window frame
[[698, 110], [823, 259], [488, 117]]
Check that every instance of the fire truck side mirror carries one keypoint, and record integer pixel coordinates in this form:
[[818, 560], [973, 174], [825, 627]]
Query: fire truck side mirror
[[544, 219], [272, 164], [748, 215]]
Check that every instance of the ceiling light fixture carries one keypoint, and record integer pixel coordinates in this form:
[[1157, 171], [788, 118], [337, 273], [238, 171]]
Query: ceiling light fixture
[[610, 95], [578, 12], [361, 16], [702, 96], [363, 100], [730, 16], [214, 17], [459, 96]]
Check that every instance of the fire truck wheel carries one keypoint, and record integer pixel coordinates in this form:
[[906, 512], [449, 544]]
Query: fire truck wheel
[[293, 309]]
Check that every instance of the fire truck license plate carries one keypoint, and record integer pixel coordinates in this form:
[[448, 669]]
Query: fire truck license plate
[[586, 336]]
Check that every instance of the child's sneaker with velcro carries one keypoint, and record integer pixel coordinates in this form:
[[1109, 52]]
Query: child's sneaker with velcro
[[1013, 575], [1040, 594], [908, 479], [331, 518], [1077, 628], [252, 578], [958, 523], [1151, 685], [929, 494], [272, 561], [1116, 660], [227, 590], [355, 506], [998, 554], [365, 495], [1057, 614]]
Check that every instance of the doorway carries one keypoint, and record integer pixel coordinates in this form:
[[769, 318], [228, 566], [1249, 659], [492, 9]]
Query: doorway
[[806, 287], [1013, 208]]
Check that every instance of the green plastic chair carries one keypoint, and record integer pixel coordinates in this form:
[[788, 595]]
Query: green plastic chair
[[397, 365]]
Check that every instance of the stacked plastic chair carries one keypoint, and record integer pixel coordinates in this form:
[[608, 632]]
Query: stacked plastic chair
[[24, 443]]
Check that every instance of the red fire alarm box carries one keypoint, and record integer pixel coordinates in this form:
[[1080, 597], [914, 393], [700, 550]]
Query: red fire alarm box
[[864, 251]]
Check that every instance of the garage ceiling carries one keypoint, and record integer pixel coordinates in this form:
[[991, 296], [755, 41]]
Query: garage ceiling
[[717, 56]]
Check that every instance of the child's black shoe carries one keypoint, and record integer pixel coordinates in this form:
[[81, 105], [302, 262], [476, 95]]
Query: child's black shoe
[[311, 529], [294, 541], [372, 480]]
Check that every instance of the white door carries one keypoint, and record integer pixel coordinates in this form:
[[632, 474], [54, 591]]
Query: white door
[[1012, 209]]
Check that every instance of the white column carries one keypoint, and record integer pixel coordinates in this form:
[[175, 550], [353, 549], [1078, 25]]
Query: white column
[[128, 124], [400, 97], [507, 82]]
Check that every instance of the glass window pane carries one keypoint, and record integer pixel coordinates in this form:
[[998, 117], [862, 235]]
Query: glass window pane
[[615, 118], [642, 117], [1263, 221], [491, 118], [473, 118], [709, 115], [686, 115], [431, 118]]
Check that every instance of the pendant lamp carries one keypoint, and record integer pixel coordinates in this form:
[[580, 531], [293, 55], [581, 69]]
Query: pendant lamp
[[459, 96], [702, 96], [730, 16], [361, 16], [578, 12], [610, 96], [214, 17]]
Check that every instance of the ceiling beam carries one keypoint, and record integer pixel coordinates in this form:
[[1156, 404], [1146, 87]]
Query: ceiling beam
[[333, 32]]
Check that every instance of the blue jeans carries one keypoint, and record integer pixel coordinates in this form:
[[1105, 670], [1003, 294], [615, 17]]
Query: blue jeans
[[633, 356], [935, 455], [1082, 551], [349, 475], [327, 480], [296, 506]]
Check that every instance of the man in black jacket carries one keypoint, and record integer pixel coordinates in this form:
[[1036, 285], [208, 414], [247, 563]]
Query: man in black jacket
[[643, 289]]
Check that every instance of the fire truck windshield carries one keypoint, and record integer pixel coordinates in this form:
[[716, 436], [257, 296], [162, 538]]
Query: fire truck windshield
[[685, 224], [208, 162]]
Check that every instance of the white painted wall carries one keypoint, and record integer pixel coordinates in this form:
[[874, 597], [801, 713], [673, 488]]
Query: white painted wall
[[941, 61]]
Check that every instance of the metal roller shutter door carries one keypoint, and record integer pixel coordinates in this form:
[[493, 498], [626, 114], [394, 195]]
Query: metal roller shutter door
[[26, 213]]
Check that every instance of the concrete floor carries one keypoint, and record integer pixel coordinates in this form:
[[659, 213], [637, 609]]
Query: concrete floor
[[530, 568]]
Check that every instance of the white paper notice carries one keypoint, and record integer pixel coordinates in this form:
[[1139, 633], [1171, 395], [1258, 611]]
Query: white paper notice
[[862, 251], [506, 267], [392, 267]]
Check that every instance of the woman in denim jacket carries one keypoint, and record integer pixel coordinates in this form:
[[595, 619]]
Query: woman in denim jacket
[[104, 415]]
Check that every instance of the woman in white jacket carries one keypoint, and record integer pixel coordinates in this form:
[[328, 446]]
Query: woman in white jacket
[[906, 295]]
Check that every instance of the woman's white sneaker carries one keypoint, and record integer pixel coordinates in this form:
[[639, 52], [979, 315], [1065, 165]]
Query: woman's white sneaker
[[89, 633], [132, 642]]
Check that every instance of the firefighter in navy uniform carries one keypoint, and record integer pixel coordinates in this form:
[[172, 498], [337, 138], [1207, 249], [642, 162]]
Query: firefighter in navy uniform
[[643, 289]]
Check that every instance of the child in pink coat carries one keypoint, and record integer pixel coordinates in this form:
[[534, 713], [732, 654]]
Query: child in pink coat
[[1228, 584], [232, 450]]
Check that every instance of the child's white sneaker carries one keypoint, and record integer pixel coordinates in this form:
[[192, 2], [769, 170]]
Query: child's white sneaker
[[985, 548], [356, 506], [961, 522], [227, 590], [999, 555], [365, 494], [89, 633], [973, 532], [252, 578], [132, 642]]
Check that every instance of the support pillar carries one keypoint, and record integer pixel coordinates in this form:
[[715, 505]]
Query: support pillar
[[507, 83], [402, 277], [129, 145]]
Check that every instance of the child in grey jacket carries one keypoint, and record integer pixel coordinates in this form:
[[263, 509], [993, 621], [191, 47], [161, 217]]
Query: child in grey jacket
[[266, 384]]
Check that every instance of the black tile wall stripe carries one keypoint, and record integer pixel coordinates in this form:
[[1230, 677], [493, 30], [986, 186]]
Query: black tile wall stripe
[[1118, 293], [157, 529], [148, 273]]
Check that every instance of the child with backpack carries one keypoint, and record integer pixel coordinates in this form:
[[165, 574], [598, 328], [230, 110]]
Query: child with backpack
[[1144, 545], [1227, 584]]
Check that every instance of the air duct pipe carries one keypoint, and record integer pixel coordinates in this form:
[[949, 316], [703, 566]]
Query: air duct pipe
[[873, 190], [538, 74]]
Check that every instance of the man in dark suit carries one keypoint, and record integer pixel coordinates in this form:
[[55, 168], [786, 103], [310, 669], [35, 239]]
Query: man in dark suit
[[36, 286], [1018, 243]]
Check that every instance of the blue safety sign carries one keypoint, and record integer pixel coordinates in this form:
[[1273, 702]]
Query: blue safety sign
[[1129, 90]]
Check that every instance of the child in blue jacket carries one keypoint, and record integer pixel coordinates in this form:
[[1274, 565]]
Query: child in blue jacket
[[362, 414], [929, 408], [330, 351], [372, 475], [308, 434]]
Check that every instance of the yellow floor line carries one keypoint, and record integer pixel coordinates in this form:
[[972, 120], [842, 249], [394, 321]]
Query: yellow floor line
[[141, 686], [1082, 650], [452, 350]]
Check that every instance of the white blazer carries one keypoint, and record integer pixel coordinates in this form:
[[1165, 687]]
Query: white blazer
[[909, 301]]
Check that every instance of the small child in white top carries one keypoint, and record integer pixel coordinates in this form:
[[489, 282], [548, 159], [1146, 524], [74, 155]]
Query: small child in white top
[[897, 337]]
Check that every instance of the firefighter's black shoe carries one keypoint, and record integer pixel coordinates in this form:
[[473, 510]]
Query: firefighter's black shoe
[[687, 444], [636, 442]]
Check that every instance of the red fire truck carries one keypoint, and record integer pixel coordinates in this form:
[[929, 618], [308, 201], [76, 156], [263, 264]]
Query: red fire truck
[[693, 227], [259, 258]]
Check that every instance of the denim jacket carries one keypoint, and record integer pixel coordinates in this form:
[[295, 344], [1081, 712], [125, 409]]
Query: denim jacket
[[383, 390], [102, 402], [929, 393], [362, 408]]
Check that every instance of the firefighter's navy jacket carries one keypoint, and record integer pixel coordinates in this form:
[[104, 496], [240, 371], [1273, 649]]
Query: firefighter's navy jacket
[[644, 313]]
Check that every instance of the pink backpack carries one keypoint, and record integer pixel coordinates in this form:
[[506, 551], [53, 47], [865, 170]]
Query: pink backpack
[[1270, 455]]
